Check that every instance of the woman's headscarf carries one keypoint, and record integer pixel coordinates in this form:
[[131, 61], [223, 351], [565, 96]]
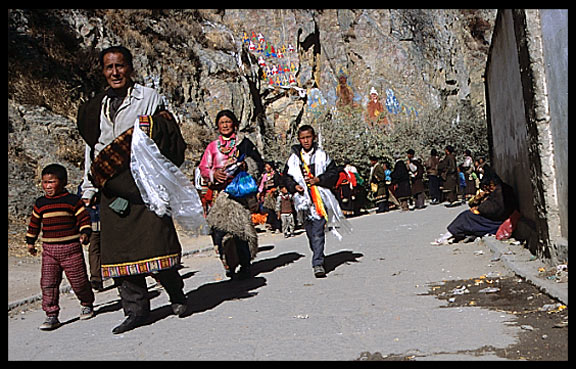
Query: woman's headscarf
[[489, 176]]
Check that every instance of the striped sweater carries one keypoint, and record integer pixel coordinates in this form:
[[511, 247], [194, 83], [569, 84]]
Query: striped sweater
[[62, 218]]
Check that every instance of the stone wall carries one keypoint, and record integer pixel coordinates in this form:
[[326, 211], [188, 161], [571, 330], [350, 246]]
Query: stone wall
[[201, 61]]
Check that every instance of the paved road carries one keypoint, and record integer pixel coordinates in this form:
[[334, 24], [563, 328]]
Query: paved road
[[374, 299]]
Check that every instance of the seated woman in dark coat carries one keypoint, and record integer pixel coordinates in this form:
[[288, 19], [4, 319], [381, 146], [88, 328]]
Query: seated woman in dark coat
[[488, 210]]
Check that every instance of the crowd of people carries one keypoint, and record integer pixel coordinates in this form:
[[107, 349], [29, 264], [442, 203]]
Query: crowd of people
[[405, 186], [133, 236], [412, 180]]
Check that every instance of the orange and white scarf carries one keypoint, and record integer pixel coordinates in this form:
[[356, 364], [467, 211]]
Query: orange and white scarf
[[318, 202], [314, 192]]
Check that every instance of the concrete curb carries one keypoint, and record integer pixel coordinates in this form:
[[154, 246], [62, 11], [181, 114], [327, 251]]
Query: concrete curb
[[526, 268]]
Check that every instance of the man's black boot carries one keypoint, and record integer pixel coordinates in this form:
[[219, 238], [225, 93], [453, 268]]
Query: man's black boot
[[129, 323]]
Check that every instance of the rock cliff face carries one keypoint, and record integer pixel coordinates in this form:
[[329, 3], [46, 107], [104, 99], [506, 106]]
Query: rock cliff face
[[275, 68]]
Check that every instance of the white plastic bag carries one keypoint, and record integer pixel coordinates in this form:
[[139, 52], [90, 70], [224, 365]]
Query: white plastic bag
[[163, 187]]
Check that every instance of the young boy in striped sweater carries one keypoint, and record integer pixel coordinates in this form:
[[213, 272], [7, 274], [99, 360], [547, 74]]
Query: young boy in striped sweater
[[65, 224]]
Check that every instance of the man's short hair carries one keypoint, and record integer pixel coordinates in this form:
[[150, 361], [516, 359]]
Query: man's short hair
[[306, 127], [57, 170], [117, 49]]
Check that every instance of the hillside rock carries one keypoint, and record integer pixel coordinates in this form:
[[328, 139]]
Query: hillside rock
[[202, 61]]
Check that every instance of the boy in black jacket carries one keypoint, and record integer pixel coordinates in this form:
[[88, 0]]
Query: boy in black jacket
[[309, 174]]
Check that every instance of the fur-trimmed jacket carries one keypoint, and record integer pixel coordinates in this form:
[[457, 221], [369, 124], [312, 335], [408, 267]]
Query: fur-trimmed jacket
[[228, 214]]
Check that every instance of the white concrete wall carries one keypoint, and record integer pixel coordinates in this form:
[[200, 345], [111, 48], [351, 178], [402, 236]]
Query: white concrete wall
[[507, 115], [526, 88], [555, 46]]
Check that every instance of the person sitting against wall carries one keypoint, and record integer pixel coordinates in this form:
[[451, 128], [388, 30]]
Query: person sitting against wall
[[489, 208]]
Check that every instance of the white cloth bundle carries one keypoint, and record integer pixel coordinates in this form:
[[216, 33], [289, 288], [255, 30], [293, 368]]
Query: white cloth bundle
[[303, 202], [163, 187]]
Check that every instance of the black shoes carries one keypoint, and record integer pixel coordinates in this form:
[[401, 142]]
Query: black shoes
[[129, 323], [319, 271], [179, 309], [97, 286], [133, 321], [244, 273]]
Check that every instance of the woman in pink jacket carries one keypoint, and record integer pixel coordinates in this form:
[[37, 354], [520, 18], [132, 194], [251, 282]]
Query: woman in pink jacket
[[230, 218]]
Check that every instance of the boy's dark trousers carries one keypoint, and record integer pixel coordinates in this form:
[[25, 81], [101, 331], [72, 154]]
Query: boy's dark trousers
[[316, 239], [134, 292]]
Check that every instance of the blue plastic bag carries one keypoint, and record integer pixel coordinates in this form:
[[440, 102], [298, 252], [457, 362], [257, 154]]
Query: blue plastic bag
[[242, 185]]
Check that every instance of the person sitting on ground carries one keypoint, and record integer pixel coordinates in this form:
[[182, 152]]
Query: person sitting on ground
[[493, 204]]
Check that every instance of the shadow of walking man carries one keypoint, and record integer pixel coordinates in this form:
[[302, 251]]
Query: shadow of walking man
[[333, 261], [210, 295]]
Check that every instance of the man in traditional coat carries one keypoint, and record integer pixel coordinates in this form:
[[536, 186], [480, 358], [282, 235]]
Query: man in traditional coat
[[416, 170], [134, 240], [378, 185], [401, 182], [449, 173]]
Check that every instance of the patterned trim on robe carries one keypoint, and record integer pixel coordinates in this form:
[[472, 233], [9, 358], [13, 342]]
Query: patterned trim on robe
[[139, 267]]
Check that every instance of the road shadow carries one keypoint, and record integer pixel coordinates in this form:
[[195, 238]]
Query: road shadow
[[269, 265], [205, 297], [333, 261], [265, 248], [210, 295]]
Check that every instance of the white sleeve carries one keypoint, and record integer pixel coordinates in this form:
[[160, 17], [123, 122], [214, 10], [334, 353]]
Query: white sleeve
[[88, 188]]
